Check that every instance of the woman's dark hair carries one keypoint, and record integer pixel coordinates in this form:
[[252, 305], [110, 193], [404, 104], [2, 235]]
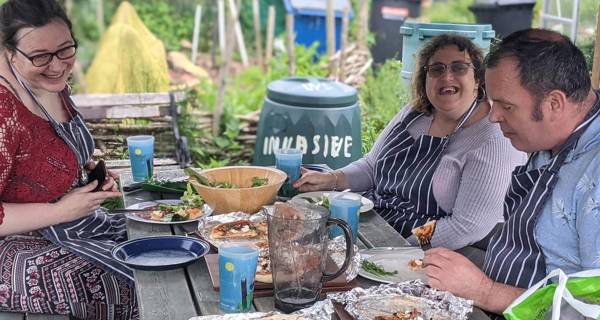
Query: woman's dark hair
[[420, 102], [546, 61], [18, 14]]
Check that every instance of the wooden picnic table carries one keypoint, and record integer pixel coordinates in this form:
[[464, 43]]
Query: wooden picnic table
[[186, 292]]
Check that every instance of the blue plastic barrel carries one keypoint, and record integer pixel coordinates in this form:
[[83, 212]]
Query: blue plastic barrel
[[310, 21], [321, 117], [415, 35]]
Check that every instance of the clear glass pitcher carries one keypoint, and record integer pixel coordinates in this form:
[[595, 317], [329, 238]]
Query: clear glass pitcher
[[298, 236]]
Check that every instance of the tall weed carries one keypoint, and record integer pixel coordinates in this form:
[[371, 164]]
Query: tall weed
[[381, 97]]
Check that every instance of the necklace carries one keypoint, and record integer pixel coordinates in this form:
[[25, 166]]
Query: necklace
[[73, 139]]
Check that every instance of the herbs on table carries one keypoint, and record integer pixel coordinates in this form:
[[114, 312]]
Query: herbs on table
[[374, 268], [165, 186]]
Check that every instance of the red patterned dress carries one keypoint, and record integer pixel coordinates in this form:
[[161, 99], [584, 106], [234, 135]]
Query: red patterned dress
[[38, 276]]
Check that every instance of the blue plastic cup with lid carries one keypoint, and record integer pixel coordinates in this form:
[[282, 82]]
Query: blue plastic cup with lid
[[141, 154], [237, 269], [289, 161]]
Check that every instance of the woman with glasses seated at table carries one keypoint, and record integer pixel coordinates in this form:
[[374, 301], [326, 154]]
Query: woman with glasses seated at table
[[440, 158], [55, 245]]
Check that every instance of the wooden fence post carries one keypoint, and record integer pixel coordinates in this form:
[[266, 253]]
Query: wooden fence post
[[196, 36], [363, 21], [222, 31], [257, 33], [596, 64], [238, 33], [223, 74], [330, 24], [69, 7], [100, 15], [270, 35], [77, 72], [342, 57], [289, 20]]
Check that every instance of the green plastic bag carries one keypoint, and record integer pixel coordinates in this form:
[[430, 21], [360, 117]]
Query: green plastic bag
[[575, 294]]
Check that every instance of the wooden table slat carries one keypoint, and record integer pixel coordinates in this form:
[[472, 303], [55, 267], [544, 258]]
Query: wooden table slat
[[11, 316], [264, 304], [374, 231], [166, 294]]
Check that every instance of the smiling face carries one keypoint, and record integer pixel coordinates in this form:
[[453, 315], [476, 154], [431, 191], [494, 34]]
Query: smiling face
[[450, 93], [513, 108], [46, 39]]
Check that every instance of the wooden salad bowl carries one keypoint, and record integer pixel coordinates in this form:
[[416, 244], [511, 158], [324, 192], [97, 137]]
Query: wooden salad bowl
[[243, 197]]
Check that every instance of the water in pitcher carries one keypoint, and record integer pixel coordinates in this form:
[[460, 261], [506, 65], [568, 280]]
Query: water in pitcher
[[298, 236]]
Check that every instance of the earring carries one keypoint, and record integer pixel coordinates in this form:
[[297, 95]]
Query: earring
[[481, 94]]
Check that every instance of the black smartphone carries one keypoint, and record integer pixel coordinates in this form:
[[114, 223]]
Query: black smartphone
[[99, 173]]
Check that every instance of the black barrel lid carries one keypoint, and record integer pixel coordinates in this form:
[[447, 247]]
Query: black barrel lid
[[311, 92]]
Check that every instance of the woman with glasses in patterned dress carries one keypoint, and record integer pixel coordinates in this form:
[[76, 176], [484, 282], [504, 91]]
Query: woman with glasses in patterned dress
[[54, 247], [440, 158]]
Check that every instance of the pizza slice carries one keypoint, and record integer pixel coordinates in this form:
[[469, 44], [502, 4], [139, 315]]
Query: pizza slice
[[193, 213], [424, 233], [263, 267], [284, 317], [263, 229], [401, 315], [241, 229], [416, 265]]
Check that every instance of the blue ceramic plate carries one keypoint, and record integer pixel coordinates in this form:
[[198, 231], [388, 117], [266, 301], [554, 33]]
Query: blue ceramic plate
[[160, 252]]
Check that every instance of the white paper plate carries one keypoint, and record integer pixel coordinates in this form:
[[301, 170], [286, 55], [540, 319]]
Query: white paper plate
[[207, 212], [393, 259], [367, 204]]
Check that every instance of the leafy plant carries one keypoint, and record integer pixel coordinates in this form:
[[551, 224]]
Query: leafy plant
[[455, 11], [167, 24], [587, 47], [381, 97], [245, 93]]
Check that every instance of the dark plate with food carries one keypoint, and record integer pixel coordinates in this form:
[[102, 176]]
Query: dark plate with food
[[167, 212]]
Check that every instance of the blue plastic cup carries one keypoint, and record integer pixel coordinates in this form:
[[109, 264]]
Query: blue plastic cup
[[289, 161], [237, 268], [345, 206], [141, 153]]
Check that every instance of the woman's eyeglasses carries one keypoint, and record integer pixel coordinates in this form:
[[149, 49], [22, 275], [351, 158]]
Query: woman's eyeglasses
[[457, 68], [44, 59]]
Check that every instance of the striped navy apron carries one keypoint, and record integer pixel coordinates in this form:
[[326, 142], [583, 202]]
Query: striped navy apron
[[93, 236], [514, 256], [403, 195]]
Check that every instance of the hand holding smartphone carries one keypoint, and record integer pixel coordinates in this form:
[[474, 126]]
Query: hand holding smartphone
[[99, 173]]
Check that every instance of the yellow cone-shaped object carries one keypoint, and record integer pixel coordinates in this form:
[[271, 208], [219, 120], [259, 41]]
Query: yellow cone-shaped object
[[129, 58]]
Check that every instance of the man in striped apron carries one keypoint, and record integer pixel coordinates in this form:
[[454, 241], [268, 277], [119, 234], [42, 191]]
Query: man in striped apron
[[541, 96]]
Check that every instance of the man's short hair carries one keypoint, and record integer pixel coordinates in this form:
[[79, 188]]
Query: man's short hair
[[546, 61]]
